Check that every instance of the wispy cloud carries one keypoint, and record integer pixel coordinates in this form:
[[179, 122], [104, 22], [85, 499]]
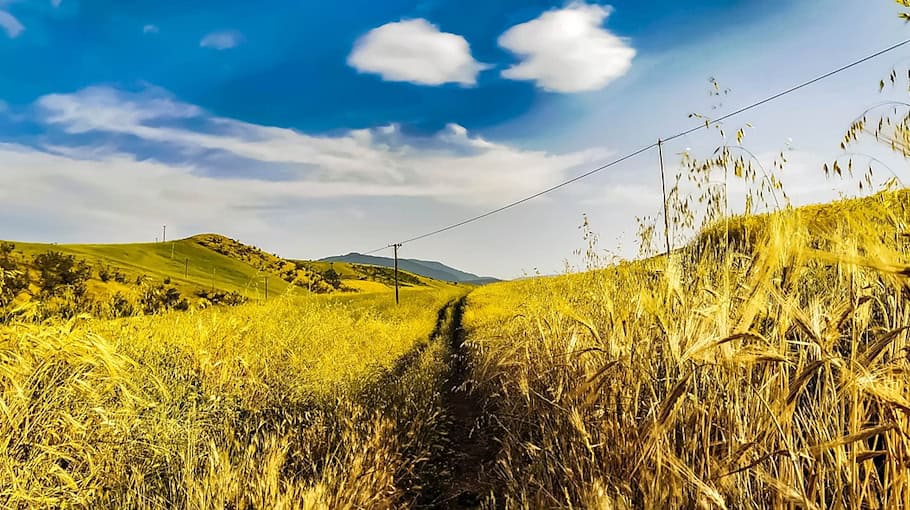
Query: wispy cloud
[[110, 163], [11, 25], [452, 165], [567, 50], [150, 29], [223, 40], [415, 51]]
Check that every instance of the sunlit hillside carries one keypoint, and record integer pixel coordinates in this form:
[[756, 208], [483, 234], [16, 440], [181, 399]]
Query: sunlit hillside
[[705, 207], [766, 375], [769, 376], [188, 263], [298, 403], [114, 280]]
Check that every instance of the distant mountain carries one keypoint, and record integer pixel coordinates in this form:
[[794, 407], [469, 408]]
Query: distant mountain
[[428, 268]]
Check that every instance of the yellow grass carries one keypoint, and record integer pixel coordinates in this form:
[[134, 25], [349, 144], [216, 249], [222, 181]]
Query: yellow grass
[[295, 403], [775, 377], [763, 366]]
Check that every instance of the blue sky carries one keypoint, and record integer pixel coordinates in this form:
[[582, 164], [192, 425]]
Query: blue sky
[[312, 129], [289, 67]]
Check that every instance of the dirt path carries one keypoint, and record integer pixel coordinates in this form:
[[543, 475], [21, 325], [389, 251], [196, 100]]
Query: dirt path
[[466, 459]]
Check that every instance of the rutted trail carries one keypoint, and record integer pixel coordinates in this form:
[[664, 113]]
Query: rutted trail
[[462, 467], [438, 417]]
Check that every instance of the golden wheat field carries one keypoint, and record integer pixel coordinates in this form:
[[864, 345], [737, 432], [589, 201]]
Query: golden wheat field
[[772, 374], [759, 359], [292, 404]]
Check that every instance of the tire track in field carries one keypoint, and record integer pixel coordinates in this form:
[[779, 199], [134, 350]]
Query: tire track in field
[[464, 465]]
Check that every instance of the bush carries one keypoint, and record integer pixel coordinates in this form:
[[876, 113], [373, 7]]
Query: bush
[[120, 306], [222, 298], [332, 277], [13, 274], [59, 272], [154, 299], [107, 273]]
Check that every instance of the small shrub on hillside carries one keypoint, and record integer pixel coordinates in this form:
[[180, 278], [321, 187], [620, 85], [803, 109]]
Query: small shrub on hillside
[[104, 273], [13, 274], [222, 298], [120, 306], [107, 273], [332, 277], [59, 272], [159, 298]]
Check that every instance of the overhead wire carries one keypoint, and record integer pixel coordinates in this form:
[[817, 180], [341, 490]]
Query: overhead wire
[[704, 125]]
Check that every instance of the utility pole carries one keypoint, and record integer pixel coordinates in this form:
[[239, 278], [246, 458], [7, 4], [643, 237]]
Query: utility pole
[[396, 246], [663, 184], [163, 233]]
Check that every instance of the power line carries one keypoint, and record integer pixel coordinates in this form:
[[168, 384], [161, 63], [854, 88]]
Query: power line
[[523, 200], [642, 150], [794, 88]]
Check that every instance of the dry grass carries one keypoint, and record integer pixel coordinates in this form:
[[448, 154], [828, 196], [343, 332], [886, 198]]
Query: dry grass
[[770, 377], [285, 405]]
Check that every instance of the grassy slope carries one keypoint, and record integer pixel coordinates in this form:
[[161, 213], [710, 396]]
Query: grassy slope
[[354, 275], [155, 260], [158, 261], [668, 383], [425, 268], [296, 403]]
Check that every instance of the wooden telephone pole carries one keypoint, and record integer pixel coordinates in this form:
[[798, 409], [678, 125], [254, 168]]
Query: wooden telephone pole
[[396, 246], [663, 183]]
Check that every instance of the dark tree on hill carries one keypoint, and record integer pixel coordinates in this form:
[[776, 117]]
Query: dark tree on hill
[[6, 256], [159, 298], [59, 272], [332, 277], [13, 275]]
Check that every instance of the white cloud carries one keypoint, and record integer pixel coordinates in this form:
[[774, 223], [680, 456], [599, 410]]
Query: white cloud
[[415, 51], [150, 29], [56, 3], [10, 25], [107, 109], [452, 166], [223, 40], [567, 50]]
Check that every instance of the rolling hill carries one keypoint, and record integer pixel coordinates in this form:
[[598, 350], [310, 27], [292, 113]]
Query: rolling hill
[[429, 269], [186, 263], [206, 268]]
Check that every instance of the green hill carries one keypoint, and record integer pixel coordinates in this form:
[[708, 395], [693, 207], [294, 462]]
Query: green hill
[[187, 264], [427, 268], [203, 269], [351, 273]]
